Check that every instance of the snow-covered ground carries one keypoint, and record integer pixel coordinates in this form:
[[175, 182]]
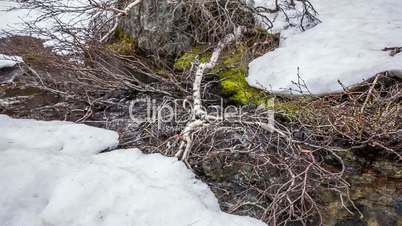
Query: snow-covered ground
[[287, 20], [15, 21], [50, 175], [346, 46], [9, 61], [10, 19]]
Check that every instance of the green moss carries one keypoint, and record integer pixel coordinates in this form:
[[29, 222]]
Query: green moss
[[186, 60], [235, 87], [234, 58], [288, 109], [232, 72], [122, 43]]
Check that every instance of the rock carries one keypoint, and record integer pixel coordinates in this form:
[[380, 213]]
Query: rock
[[8, 74], [395, 73], [398, 206], [385, 217], [158, 28]]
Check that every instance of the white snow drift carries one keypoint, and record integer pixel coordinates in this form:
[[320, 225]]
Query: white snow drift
[[49, 177], [346, 46], [9, 61], [14, 16], [65, 137], [12, 20], [15, 21]]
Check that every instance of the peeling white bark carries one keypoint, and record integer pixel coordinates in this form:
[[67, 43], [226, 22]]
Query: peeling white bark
[[200, 116], [199, 74]]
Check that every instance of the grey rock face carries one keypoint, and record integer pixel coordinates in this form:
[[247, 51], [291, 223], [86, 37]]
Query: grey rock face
[[8, 74], [157, 27]]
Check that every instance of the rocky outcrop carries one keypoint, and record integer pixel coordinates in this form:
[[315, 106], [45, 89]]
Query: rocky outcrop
[[8, 74], [157, 27]]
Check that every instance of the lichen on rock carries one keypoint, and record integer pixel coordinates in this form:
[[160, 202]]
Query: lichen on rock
[[157, 28]]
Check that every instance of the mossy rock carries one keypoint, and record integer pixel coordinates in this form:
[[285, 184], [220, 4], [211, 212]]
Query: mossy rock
[[235, 87], [231, 70], [232, 73], [184, 62], [122, 43]]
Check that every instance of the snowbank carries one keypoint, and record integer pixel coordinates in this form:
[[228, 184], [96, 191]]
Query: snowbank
[[9, 61], [48, 179], [65, 137], [15, 21], [11, 19], [286, 24], [346, 46]]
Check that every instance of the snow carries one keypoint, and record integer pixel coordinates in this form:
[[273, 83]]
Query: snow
[[65, 137], [51, 175], [12, 19], [14, 22], [346, 46], [9, 61], [286, 24]]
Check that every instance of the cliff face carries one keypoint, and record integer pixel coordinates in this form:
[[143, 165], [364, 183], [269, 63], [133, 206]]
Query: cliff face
[[157, 27]]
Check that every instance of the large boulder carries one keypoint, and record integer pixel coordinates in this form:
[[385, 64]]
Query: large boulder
[[158, 27]]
